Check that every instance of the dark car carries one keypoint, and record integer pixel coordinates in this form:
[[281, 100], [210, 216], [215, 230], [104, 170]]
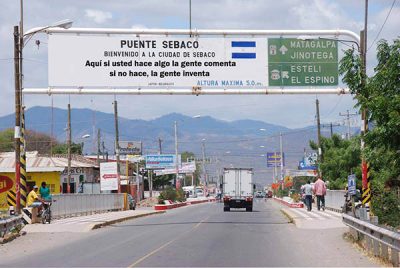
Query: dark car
[[131, 202], [269, 194]]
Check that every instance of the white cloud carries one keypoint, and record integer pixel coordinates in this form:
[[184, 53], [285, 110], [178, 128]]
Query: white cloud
[[98, 16], [138, 26]]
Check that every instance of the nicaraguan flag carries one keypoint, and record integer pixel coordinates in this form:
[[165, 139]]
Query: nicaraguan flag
[[246, 49]]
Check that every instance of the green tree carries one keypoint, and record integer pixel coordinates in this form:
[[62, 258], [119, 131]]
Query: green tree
[[381, 96], [76, 148], [341, 158], [38, 141], [7, 140], [35, 141]]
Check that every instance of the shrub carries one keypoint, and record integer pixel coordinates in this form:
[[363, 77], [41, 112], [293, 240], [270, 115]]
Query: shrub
[[296, 197], [170, 193]]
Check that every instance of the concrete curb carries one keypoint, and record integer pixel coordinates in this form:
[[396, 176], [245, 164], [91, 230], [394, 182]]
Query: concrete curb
[[178, 205], [290, 217], [291, 205], [103, 224]]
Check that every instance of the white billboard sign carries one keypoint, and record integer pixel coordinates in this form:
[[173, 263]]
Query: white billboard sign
[[130, 147], [157, 62], [189, 167], [108, 176]]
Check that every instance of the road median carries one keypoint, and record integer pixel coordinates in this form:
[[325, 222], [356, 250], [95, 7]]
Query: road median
[[163, 207]]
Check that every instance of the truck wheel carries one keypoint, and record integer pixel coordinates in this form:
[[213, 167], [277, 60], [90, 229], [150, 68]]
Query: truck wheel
[[249, 209], [227, 208]]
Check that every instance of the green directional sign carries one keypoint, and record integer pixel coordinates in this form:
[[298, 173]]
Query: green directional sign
[[295, 62]]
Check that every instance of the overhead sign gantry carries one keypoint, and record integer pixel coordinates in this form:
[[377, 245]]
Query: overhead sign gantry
[[130, 61]]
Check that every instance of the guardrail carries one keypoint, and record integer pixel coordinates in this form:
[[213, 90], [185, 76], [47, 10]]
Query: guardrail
[[7, 225], [68, 205], [379, 241]]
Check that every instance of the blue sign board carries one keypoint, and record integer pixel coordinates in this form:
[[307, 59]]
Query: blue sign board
[[160, 161], [351, 184], [305, 166], [274, 159]]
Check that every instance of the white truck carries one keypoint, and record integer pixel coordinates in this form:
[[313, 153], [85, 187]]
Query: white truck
[[238, 188]]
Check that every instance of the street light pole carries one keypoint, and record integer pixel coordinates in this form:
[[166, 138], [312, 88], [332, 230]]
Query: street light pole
[[19, 39], [117, 143]]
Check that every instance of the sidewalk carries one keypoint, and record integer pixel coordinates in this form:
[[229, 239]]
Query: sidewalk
[[314, 219], [87, 223]]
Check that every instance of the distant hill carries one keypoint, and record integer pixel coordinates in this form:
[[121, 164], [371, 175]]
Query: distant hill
[[237, 143]]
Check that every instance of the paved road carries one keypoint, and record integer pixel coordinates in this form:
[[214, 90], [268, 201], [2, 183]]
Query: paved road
[[203, 235]]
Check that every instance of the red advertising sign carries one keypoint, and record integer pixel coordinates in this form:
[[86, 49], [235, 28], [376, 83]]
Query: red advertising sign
[[5, 184]]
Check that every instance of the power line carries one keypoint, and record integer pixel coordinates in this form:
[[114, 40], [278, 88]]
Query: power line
[[383, 25]]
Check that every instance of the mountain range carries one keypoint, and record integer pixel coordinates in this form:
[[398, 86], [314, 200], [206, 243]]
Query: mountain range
[[237, 143]]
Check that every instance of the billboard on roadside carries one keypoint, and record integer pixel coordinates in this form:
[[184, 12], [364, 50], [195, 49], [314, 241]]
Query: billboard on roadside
[[184, 168], [161, 161], [274, 159], [130, 147], [108, 176]]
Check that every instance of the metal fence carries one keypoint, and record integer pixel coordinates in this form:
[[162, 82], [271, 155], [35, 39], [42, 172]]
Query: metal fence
[[67, 205], [7, 225], [381, 242], [335, 199]]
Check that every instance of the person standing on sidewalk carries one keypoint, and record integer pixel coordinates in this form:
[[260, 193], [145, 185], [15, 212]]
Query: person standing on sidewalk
[[320, 192], [308, 191]]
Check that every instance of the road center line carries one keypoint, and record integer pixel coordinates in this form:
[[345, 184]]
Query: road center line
[[168, 243]]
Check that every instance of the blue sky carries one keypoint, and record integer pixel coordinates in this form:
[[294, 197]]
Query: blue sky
[[290, 111]]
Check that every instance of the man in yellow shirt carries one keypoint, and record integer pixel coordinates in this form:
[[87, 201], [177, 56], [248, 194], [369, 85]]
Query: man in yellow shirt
[[33, 199]]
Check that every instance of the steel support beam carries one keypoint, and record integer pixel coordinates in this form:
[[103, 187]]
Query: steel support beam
[[183, 91], [196, 32]]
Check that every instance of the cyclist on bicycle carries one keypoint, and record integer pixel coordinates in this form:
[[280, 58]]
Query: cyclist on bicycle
[[33, 199]]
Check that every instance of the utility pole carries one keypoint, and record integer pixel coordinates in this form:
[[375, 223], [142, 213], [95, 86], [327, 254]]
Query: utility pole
[[151, 183], [17, 131], [177, 183], [137, 182], [159, 146], [98, 147], [366, 195], [117, 143], [331, 125], [319, 131], [69, 149], [281, 147], [52, 127], [103, 149], [347, 114], [203, 149]]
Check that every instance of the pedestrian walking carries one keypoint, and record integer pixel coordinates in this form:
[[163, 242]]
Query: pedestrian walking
[[308, 191], [320, 192]]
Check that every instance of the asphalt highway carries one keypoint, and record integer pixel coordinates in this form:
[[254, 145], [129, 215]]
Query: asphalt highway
[[201, 235]]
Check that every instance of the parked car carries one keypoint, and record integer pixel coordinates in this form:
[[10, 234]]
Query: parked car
[[259, 194], [131, 202], [269, 194]]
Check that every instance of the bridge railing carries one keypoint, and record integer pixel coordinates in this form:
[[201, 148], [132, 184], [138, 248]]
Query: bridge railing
[[381, 242], [334, 199], [68, 205], [8, 224]]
